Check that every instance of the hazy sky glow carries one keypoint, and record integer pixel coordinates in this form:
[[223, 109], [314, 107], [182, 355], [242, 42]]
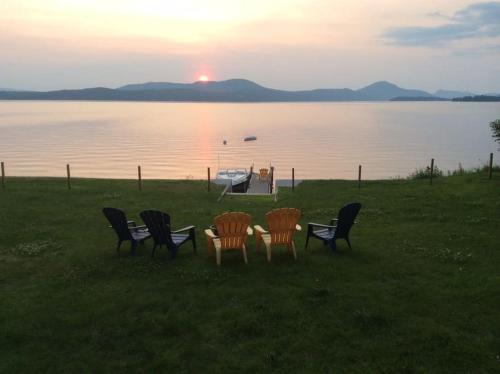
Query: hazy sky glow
[[292, 44]]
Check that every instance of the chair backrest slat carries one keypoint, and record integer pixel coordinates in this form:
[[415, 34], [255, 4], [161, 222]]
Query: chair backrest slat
[[281, 223], [232, 229], [118, 222], [158, 224], [346, 218]]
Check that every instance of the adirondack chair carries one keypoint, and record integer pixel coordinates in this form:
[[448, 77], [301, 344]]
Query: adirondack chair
[[282, 223], [125, 230], [339, 227], [158, 224], [263, 174], [230, 231]]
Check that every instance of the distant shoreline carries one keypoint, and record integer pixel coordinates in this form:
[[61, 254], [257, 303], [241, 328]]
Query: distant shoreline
[[249, 101], [236, 91]]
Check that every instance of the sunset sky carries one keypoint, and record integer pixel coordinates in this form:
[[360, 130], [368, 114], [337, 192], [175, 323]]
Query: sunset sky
[[292, 44]]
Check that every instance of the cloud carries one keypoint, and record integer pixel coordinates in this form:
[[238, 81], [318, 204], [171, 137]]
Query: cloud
[[480, 20]]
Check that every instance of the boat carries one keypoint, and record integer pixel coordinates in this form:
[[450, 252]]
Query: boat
[[250, 138], [238, 178]]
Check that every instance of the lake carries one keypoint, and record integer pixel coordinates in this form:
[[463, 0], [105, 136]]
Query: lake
[[179, 140]]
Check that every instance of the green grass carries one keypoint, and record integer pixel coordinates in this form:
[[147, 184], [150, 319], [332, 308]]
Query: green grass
[[420, 291]]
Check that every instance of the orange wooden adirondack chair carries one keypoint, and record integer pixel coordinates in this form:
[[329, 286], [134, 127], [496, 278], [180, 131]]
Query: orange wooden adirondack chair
[[231, 232], [282, 223], [263, 174]]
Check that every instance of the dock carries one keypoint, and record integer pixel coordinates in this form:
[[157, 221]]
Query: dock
[[258, 186]]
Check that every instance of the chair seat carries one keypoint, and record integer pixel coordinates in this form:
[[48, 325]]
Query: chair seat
[[140, 235], [325, 234], [178, 239]]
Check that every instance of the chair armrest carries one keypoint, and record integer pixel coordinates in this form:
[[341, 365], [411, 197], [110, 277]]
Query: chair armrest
[[135, 228], [333, 221], [260, 229], [298, 227], [321, 225], [249, 230], [187, 228], [138, 227], [131, 223], [211, 234]]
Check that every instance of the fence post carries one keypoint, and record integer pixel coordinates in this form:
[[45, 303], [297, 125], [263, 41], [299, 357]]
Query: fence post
[[208, 179], [68, 176], [3, 175], [432, 169], [139, 176], [491, 165], [359, 177], [272, 180], [293, 179]]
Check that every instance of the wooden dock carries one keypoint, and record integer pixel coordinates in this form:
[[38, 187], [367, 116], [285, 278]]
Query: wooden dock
[[257, 186]]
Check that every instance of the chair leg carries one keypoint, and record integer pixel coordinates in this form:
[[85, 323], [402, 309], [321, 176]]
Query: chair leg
[[307, 238], [133, 246], [218, 255], [294, 250], [192, 234], [118, 246], [218, 249], [153, 251], [244, 250], [266, 238], [333, 245], [348, 242], [174, 253]]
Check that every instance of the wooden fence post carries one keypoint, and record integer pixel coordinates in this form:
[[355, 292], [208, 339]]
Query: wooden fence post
[[3, 175], [139, 176], [271, 180], [432, 169], [293, 179], [208, 179], [491, 166], [359, 177], [68, 176]]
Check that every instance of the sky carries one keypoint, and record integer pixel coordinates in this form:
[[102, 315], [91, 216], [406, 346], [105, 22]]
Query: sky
[[286, 44]]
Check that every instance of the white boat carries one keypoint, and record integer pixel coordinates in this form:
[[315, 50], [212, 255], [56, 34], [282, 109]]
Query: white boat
[[237, 177]]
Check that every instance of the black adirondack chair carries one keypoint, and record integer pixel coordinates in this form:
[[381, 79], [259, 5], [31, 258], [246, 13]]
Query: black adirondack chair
[[158, 224], [338, 229], [125, 230]]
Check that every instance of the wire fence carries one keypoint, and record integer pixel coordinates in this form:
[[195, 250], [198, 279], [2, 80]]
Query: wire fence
[[431, 174]]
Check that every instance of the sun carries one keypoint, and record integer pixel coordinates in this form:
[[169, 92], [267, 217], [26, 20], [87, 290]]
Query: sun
[[203, 78]]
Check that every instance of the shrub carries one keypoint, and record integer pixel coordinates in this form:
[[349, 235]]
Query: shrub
[[425, 173], [495, 128]]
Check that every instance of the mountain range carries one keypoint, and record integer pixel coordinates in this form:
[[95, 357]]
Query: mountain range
[[232, 90]]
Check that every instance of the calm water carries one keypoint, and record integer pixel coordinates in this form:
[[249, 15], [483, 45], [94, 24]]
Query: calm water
[[179, 140]]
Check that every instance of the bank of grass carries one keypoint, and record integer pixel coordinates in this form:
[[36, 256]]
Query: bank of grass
[[419, 292]]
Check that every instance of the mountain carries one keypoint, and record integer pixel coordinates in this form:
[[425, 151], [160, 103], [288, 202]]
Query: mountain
[[232, 90], [386, 91], [450, 94], [3, 89], [231, 85]]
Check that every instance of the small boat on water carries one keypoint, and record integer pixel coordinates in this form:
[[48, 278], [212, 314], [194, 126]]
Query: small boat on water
[[239, 178], [250, 138]]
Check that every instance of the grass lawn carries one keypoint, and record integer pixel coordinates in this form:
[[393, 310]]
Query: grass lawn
[[419, 292]]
